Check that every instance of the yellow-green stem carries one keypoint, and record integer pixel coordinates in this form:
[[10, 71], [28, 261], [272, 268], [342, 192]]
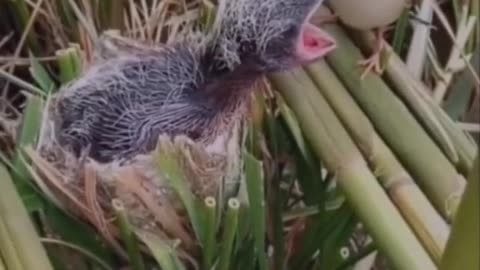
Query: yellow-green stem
[[17, 223], [429, 226], [338, 152], [463, 247], [128, 236], [229, 231], [412, 145]]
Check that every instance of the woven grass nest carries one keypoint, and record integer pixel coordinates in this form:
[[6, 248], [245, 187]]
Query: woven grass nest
[[156, 190]]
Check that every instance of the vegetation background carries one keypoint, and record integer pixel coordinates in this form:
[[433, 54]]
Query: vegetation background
[[375, 174]]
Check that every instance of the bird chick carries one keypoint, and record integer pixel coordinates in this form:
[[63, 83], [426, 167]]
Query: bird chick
[[366, 15], [196, 87]]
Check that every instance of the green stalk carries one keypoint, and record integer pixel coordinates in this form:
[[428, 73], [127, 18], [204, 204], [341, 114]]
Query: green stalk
[[28, 135], [428, 225], [474, 42], [256, 199], [163, 252], [463, 246], [210, 232], [229, 231], [69, 64], [128, 236], [2, 265], [167, 158], [110, 13], [17, 223], [22, 15], [7, 249], [401, 28], [431, 114], [397, 126], [333, 145]]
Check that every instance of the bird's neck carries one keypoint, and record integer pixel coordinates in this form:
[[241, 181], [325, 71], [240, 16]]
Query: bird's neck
[[232, 88]]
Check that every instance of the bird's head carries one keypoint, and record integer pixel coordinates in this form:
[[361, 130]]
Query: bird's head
[[270, 34]]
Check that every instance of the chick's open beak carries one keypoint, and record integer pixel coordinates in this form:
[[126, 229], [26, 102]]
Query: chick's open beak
[[313, 43]]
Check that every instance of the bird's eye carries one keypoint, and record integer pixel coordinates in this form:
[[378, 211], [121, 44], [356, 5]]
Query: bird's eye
[[247, 47], [291, 32]]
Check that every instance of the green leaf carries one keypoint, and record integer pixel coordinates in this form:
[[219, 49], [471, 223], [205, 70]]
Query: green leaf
[[77, 233], [40, 75], [28, 135], [456, 104], [330, 254], [167, 158], [164, 254], [317, 230], [69, 64], [255, 188]]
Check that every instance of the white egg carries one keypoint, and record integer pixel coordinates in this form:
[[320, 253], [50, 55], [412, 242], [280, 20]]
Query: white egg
[[368, 14]]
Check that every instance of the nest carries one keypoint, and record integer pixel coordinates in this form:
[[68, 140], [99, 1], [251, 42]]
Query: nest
[[92, 191]]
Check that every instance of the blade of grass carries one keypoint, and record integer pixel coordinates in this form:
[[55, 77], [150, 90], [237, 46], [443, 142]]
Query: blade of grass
[[229, 231], [40, 75], [110, 13], [255, 188], [421, 34], [318, 228], [28, 135], [21, 229], [21, 83], [209, 243], [22, 15], [330, 254], [167, 158], [164, 254], [128, 236], [84, 252], [77, 233], [401, 29], [7, 248]]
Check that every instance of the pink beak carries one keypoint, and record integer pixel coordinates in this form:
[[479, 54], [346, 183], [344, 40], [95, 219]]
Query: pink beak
[[313, 44]]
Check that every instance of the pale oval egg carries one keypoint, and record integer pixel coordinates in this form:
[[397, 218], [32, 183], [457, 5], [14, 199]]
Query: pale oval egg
[[368, 14]]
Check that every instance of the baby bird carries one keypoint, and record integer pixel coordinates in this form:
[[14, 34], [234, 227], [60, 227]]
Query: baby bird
[[367, 15], [196, 87]]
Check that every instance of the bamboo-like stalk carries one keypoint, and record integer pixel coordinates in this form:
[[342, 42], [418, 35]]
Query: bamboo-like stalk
[[210, 232], [422, 104], [397, 126], [128, 236], [340, 155], [229, 231], [429, 226], [17, 223], [7, 249], [2, 265], [463, 246]]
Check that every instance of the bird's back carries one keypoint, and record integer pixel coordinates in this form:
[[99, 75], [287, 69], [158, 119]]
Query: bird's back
[[122, 104]]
